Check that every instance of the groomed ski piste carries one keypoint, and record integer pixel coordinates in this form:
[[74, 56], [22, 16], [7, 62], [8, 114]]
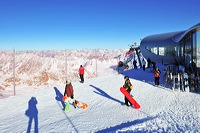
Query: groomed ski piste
[[161, 109]]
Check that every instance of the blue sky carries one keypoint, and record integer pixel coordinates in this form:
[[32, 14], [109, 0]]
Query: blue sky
[[77, 24]]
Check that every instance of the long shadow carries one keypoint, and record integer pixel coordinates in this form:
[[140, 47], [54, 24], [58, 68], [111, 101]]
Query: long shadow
[[59, 96], [126, 125], [103, 93], [32, 113]]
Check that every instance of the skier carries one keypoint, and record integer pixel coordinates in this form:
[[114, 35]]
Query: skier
[[81, 73], [128, 86], [157, 76]]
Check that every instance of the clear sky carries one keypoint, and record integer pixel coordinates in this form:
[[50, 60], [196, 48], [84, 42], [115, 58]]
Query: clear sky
[[77, 24]]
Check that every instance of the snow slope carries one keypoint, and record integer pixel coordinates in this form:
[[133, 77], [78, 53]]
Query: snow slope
[[161, 109]]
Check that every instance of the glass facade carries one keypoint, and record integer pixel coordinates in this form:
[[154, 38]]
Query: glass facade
[[164, 51], [198, 47], [188, 51]]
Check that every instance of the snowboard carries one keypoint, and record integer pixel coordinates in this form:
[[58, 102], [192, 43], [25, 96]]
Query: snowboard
[[130, 98], [75, 103], [78, 104]]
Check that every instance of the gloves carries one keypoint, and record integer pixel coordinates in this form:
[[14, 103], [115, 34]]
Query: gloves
[[128, 90]]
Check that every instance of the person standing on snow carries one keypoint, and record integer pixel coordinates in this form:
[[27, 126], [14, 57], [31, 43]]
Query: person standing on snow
[[157, 76], [143, 64], [128, 86], [81, 73], [135, 64]]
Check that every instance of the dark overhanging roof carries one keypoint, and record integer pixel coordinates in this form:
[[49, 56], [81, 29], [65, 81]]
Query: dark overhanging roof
[[180, 35], [174, 36]]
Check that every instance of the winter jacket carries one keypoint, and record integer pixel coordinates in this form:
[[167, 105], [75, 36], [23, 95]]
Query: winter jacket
[[81, 70], [157, 73], [128, 86], [143, 62], [69, 90]]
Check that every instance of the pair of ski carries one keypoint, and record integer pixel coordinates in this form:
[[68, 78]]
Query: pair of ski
[[75, 103], [130, 98]]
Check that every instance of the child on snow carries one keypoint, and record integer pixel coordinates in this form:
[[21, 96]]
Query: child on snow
[[128, 86]]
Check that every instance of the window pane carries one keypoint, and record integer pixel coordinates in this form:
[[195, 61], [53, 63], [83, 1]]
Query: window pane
[[161, 50], [198, 48]]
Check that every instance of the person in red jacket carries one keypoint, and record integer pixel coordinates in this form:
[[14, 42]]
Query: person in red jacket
[[69, 91], [81, 73], [157, 76]]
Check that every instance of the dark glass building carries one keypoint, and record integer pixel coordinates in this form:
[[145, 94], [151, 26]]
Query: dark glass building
[[182, 47]]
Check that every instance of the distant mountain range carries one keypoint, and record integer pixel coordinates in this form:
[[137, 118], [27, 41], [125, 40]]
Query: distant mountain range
[[48, 68]]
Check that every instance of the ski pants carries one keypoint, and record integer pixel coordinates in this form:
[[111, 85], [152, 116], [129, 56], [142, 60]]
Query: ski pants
[[127, 101], [82, 77], [157, 80]]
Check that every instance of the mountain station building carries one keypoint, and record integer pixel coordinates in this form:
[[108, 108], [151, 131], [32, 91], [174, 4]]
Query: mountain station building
[[179, 48]]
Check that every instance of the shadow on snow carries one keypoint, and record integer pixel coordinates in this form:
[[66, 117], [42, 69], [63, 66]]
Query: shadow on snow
[[103, 93], [126, 125], [32, 113], [58, 97]]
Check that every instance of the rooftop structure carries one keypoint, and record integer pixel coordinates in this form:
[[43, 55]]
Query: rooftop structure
[[180, 48]]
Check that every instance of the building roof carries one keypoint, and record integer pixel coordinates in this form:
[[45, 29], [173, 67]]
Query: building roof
[[171, 36], [180, 35]]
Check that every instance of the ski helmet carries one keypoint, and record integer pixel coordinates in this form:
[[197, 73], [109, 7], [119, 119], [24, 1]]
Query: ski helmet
[[68, 81], [126, 77]]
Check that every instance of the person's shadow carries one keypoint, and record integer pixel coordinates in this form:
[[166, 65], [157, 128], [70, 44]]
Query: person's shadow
[[103, 93], [59, 96], [32, 113]]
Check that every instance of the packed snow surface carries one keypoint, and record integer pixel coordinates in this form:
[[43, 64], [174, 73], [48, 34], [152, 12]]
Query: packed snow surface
[[161, 109]]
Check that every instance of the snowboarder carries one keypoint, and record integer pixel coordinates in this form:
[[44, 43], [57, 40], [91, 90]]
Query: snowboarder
[[128, 86], [81, 73], [157, 76]]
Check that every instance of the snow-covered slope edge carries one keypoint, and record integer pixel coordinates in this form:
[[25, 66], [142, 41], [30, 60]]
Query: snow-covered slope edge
[[161, 110]]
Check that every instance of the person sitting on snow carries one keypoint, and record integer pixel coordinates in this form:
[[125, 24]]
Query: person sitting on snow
[[69, 92]]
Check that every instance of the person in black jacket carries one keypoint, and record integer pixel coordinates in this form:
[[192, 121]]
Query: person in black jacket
[[128, 86]]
